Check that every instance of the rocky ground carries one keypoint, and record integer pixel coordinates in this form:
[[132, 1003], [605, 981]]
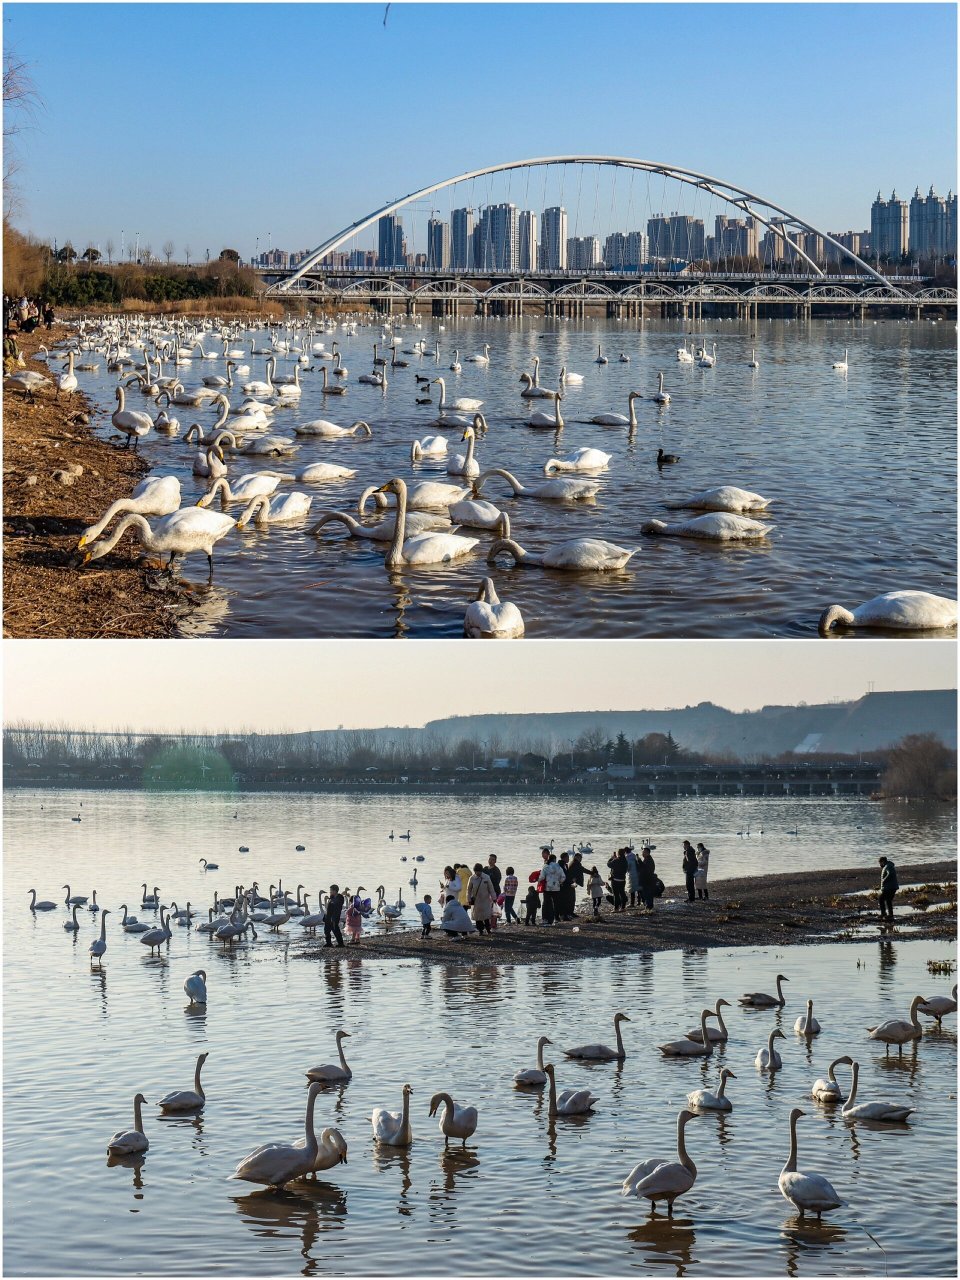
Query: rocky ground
[[801, 907]]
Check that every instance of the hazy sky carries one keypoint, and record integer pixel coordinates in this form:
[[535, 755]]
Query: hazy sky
[[320, 684], [212, 125]]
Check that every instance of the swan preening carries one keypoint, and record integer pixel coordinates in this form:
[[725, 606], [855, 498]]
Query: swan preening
[[704, 1100], [455, 1121], [187, 1099], [277, 1163], [195, 987], [602, 1052], [897, 1031], [393, 1128], [896, 611], [655, 1180], [571, 1102], [489, 618], [577, 554], [887, 1111], [807, 1191]]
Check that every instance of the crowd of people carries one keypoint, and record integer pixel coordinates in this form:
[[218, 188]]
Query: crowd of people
[[25, 314], [478, 901]]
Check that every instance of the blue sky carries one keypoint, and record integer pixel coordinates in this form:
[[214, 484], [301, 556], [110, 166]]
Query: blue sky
[[213, 125]]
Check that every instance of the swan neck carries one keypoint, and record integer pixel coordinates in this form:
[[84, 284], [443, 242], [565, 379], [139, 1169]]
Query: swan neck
[[851, 1097], [722, 1024], [395, 554], [791, 1165], [197, 1087], [343, 1061], [620, 1050], [130, 521], [723, 1085], [553, 1094], [137, 1115], [308, 1132], [682, 1155]]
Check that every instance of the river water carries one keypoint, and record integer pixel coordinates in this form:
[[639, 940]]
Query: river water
[[862, 468], [527, 1196]]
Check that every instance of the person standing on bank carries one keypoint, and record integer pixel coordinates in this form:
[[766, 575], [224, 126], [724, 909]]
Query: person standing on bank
[[618, 880], [689, 868], [703, 865], [331, 916], [495, 874], [633, 874], [647, 871], [889, 884], [510, 886], [482, 898], [553, 880], [595, 889], [567, 897]]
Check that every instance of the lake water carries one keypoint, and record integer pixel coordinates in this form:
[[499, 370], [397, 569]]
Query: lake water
[[862, 467], [527, 1196]]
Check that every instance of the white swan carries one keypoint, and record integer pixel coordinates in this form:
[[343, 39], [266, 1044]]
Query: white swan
[[243, 488], [541, 419], [571, 1102], [806, 1024], [588, 554], [829, 1090], [602, 1052], [807, 1191], [331, 1073], [718, 1034], [489, 618], [760, 1000], [428, 447], [320, 472], [456, 366], [461, 404], [753, 362], [573, 378], [195, 987], [704, 1100], [67, 381], [330, 431], [715, 526], [328, 390], [130, 924], [841, 365], [767, 1058], [585, 459], [71, 925], [262, 388], [422, 548], [187, 1099], [130, 1142], [189, 529], [478, 514], [209, 463], [270, 446], [684, 355], [282, 509], [555, 489], [897, 1031], [655, 1180], [416, 522], [887, 1111], [465, 464], [896, 611], [481, 359], [455, 1122], [75, 899], [277, 1163], [661, 397], [99, 945], [705, 361], [393, 1128], [130, 422], [601, 358], [535, 1076], [686, 1048], [935, 1007], [725, 497], [618, 419], [52, 906]]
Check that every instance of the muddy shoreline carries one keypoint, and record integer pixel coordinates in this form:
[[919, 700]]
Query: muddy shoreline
[[46, 594], [791, 909]]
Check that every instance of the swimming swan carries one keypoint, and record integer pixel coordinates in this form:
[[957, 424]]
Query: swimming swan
[[716, 1034], [767, 1058], [535, 1076], [853, 1110], [701, 1048], [243, 488], [895, 610], [725, 497], [806, 1024], [461, 405], [422, 495], [422, 548], [187, 1099], [489, 618], [760, 1000], [277, 1163], [393, 1128], [331, 1073], [330, 431], [541, 419], [655, 1180], [428, 447], [585, 459], [556, 489], [587, 554], [618, 419], [465, 464], [829, 1090], [704, 1100], [715, 526], [602, 1052], [129, 1142], [572, 1102]]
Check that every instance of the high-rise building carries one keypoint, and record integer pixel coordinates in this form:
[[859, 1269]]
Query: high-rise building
[[390, 247], [889, 226], [625, 251], [930, 224], [734, 238], [677, 237], [527, 259], [583, 253], [461, 240], [438, 245], [499, 228], [852, 240], [552, 254]]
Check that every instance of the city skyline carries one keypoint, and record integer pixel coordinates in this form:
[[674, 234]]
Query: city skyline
[[148, 686], [895, 145]]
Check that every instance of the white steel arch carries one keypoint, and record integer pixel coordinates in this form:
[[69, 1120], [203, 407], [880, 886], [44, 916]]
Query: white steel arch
[[737, 196]]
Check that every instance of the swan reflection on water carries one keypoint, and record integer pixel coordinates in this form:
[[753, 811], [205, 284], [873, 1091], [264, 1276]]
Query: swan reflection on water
[[135, 1163], [666, 1241], [388, 1159], [308, 1210], [456, 1162], [805, 1240]]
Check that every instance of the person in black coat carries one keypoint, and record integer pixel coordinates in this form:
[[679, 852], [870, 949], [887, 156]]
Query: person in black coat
[[647, 872], [689, 868], [618, 879], [331, 916]]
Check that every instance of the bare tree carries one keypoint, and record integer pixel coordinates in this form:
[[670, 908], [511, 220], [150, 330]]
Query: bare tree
[[186, 253], [168, 250], [109, 248], [147, 254], [20, 103]]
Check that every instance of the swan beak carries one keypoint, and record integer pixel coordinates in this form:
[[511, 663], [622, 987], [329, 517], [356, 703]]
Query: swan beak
[[86, 557], [82, 543]]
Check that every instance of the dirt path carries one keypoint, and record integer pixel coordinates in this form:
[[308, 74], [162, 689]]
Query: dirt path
[[802, 907], [46, 594]]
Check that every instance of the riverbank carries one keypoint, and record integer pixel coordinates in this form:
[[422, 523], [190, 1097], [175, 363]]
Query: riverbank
[[58, 477], [752, 911]]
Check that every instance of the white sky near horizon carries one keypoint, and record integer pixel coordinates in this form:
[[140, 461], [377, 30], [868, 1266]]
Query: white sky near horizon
[[273, 685]]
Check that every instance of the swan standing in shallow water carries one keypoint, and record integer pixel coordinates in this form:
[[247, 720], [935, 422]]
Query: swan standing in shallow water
[[895, 610], [602, 1052], [130, 422], [455, 1122], [767, 1058], [806, 1024], [936, 1007], [585, 459], [655, 1180], [578, 554], [535, 1076], [189, 529], [331, 1073], [157, 496], [829, 1090], [422, 548], [618, 419], [489, 618], [704, 1100], [760, 1000], [393, 1128], [715, 526], [807, 1191], [897, 1031], [571, 1102], [195, 987], [187, 1099], [556, 489], [853, 1110], [99, 945], [130, 1142]]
